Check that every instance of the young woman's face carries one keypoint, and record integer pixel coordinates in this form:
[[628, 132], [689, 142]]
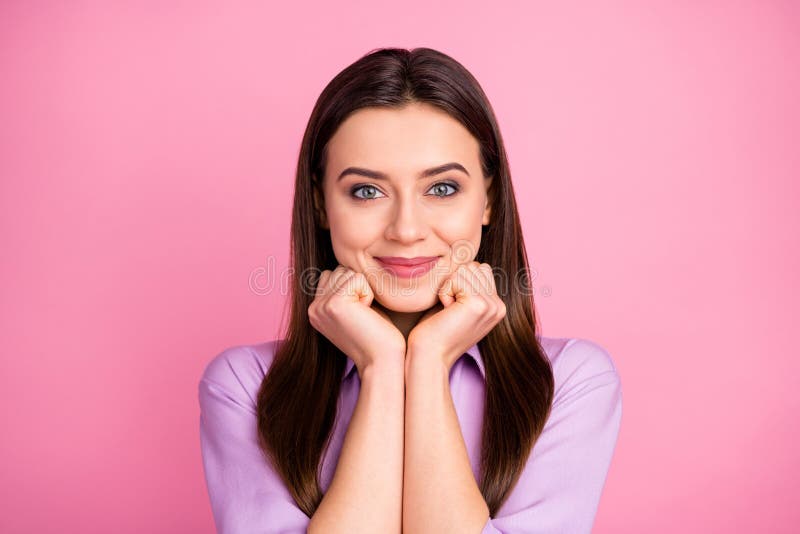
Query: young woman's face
[[405, 213]]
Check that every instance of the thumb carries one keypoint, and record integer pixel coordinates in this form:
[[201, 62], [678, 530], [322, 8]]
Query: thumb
[[447, 293], [360, 288]]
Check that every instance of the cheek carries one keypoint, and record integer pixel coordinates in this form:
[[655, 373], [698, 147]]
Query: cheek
[[349, 238], [463, 239], [459, 225]]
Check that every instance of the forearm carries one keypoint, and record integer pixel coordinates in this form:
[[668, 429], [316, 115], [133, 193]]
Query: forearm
[[440, 493], [365, 494]]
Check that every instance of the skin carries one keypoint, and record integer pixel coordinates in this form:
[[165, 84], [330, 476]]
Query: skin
[[404, 464]]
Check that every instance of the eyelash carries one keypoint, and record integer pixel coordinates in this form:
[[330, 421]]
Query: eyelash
[[362, 186]]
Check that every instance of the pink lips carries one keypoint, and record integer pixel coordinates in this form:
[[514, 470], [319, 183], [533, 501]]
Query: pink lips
[[407, 267]]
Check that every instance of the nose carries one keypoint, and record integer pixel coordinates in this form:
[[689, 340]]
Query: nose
[[407, 222]]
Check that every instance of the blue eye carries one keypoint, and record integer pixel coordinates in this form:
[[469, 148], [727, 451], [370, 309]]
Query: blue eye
[[371, 191], [442, 187]]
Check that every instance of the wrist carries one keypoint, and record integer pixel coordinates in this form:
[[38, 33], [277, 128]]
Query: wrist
[[382, 367], [424, 362]]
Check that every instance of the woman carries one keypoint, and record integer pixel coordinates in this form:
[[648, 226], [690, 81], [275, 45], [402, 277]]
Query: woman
[[411, 391]]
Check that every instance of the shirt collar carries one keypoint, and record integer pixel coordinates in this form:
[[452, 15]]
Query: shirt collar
[[474, 352]]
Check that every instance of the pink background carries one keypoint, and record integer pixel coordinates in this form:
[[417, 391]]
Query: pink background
[[147, 155]]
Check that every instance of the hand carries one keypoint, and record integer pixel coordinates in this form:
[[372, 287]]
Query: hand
[[342, 311], [468, 309]]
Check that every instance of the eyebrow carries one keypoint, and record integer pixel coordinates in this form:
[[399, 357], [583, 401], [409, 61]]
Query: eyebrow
[[377, 175]]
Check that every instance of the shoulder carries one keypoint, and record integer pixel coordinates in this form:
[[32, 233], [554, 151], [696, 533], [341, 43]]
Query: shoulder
[[569, 462], [239, 369], [579, 364]]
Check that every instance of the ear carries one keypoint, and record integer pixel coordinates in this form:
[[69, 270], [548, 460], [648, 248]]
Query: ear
[[319, 206], [487, 210]]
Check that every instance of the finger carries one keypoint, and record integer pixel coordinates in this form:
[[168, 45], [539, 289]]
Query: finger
[[357, 286], [336, 277], [322, 283], [457, 287], [325, 284], [341, 284], [478, 277], [471, 281], [490, 281], [447, 293], [500, 305]]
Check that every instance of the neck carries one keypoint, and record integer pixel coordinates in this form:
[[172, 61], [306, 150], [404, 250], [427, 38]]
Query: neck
[[404, 321]]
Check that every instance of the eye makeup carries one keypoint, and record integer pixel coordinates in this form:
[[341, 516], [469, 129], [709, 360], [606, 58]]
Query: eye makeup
[[367, 187]]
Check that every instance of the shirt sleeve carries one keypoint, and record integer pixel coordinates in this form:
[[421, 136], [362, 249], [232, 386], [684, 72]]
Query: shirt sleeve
[[559, 490], [246, 494]]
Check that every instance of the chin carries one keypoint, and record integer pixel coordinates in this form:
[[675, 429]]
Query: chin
[[419, 300]]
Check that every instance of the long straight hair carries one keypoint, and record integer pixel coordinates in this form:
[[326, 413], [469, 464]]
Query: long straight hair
[[297, 400]]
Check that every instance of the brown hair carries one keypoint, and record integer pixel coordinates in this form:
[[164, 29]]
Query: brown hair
[[297, 400]]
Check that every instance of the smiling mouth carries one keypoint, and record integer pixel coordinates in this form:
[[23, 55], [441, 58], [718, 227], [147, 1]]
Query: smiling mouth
[[407, 267], [399, 260]]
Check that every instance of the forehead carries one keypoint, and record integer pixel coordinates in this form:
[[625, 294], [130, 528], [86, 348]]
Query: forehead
[[401, 140]]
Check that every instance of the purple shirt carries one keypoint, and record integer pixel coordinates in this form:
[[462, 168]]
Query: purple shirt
[[558, 491]]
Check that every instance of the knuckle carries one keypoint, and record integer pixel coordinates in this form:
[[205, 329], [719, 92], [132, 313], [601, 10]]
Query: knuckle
[[325, 307], [481, 306], [343, 285], [333, 307], [501, 309]]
